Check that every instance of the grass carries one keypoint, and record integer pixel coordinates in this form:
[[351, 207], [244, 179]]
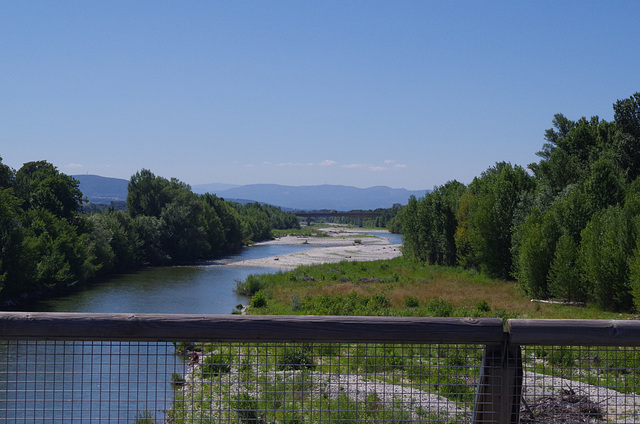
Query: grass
[[289, 382], [301, 382], [412, 289]]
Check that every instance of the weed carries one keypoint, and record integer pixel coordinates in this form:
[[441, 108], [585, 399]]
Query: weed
[[144, 417], [295, 360], [412, 302], [246, 406], [440, 308], [483, 306], [216, 364], [259, 300]]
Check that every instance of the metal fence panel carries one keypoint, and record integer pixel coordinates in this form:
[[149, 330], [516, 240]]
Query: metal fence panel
[[578, 384], [130, 382]]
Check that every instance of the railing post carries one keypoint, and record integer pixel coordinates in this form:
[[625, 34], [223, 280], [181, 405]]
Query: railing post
[[499, 386]]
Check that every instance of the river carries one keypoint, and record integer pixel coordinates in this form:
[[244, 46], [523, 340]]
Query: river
[[73, 388]]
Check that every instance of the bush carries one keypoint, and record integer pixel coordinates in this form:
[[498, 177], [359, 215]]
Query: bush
[[483, 306], [440, 308], [295, 360], [251, 285], [258, 300], [412, 302], [216, 364], [246, 406]]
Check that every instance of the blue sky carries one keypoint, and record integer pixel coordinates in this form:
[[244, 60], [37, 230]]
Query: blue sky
[[402, 93]]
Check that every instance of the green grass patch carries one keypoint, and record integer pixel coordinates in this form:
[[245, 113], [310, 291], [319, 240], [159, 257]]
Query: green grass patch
[[399, 287]]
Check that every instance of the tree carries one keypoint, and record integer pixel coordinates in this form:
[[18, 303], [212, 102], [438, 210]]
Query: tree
[[11, 235], [6, 175], [607, 245], [627, 137], [147, 194], [40, 185], [564, 274], [231, 222], [491, 216], [538, 238]]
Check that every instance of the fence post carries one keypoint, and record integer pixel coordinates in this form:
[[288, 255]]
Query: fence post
[[499, 386]]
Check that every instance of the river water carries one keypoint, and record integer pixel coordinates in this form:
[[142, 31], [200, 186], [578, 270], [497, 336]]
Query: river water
[[98, 381]]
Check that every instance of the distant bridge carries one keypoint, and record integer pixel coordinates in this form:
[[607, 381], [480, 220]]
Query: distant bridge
[[360, 215]]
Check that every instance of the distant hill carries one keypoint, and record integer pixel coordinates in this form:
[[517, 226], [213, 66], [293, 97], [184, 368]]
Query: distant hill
[[104, 190], [336, 197]]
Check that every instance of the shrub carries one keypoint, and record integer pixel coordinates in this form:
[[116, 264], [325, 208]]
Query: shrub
[[295, 360], [483, 306], [177, 379], [412, 302], [216, 364], [440, 308], [258, 300], [144, 417], [251, 285], [246, 406]]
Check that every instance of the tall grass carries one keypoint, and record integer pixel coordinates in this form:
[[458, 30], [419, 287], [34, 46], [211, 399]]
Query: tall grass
[[406, 289]]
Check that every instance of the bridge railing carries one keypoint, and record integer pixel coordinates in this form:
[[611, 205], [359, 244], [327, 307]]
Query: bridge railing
[[134, 368]]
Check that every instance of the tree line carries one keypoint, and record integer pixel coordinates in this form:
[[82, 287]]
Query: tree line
[[567, 228], [48, 244]]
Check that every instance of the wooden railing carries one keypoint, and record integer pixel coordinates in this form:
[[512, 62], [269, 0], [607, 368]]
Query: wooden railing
[[499, 384]]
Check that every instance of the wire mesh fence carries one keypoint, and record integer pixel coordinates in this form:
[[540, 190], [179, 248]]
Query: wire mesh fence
[[244, 381], [581, 384], [130, 382]]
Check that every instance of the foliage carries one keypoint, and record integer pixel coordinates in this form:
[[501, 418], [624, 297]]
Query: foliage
[[546, 229], [47, 245], [293, 360], [215, 364], [607, 245], [258, 300]]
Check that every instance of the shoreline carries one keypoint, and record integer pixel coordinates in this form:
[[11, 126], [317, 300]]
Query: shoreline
[[338, 245]]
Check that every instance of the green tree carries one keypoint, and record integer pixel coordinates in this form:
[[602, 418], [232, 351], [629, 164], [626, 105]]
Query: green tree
[[11, 235], [40, 185], [539, 235], [231, 222], [627, 136], [564, 274], [147, 194], [6, 175], [607, 245], [55, 255], [497, 193]]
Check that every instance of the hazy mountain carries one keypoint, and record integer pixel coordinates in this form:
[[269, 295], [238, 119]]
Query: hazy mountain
[[104, 190], [338, 197], [212, 188]]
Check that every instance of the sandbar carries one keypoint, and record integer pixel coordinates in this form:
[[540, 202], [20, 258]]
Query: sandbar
[[339, 244]]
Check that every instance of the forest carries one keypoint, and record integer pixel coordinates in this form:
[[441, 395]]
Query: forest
[[47, 245], [566, 228]]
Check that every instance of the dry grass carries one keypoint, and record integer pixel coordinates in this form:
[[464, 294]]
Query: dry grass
[[461, 289]]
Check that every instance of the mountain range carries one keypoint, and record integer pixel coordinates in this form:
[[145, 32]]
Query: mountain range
[[104, 190]]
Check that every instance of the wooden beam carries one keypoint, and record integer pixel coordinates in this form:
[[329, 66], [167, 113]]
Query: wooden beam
[[247, 328], [573, 332]]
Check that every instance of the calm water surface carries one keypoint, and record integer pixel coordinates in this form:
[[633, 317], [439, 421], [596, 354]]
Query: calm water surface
[[99, 381]]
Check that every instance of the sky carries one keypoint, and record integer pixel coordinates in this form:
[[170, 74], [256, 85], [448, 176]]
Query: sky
[[405, 94]]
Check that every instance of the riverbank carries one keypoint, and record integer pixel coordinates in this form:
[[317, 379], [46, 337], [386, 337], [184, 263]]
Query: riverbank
[[339, 244]]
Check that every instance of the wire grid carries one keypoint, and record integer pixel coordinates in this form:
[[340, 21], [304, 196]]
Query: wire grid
[[581, 384], [85, 382], [122, 382]]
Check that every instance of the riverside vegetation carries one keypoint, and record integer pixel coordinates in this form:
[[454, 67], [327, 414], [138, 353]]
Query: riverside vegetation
[[294, 383], [47, 245], [570, 231]]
